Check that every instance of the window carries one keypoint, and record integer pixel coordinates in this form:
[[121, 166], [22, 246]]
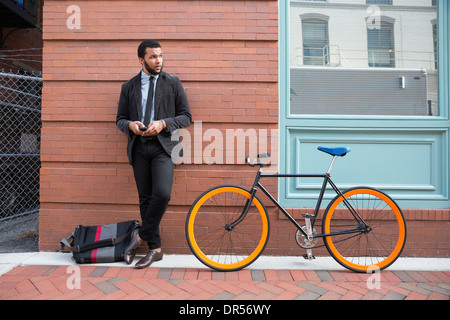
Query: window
[[381, 47], [378, 59], [435, 43], [315, 42], [379, 2], [392, 110]]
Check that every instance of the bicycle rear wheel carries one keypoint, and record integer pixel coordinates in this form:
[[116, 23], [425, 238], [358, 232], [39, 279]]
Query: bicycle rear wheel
[[212, 240], [372, 249]]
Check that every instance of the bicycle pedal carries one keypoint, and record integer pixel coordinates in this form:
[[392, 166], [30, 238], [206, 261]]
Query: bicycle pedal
[[308, 257]]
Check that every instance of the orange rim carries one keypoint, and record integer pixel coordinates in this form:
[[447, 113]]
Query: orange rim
[[253, 255], [400, 241]]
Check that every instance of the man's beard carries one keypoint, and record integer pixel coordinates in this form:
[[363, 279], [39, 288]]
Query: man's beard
[[150, 70]]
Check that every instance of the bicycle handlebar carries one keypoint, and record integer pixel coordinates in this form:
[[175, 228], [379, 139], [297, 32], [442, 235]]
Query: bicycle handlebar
[[259, 156]]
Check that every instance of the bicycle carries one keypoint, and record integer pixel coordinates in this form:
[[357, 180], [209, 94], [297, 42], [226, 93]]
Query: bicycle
[[363, 229]]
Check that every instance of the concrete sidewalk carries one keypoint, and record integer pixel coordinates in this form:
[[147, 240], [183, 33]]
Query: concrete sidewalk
[[52, 275], [9, 261]]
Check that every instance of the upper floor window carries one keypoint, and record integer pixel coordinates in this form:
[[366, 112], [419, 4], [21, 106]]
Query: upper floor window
[[379, 1], [315, 42], [381, 45], [378, 59]]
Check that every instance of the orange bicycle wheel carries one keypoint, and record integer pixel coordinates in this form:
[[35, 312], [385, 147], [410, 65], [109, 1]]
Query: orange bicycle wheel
[[211, 239], [370, 250]]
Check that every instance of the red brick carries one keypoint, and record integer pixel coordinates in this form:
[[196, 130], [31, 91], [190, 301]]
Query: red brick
[[151, 273], [190, 287], [330, 295], [298, 275], [311, 275], [351, 296], [354, 288], [416, 296], [271, 275], [437, 296], [23, 286], [178, 273], [333, 286], [230, 286], [191, 274], [245, 275], [204, 274]]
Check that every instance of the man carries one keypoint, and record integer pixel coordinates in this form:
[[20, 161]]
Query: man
[[152, 106]]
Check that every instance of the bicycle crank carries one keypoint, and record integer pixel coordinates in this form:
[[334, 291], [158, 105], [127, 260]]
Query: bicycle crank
[[306, 238], [303, 241]]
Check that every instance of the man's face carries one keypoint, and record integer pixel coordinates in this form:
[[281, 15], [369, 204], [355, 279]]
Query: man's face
[[153, 62]]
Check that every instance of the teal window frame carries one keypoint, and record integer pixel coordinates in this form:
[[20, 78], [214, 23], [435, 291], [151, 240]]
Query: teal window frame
[[442, 121]]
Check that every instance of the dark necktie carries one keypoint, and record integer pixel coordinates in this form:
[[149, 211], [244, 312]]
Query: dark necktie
[[149, 107]]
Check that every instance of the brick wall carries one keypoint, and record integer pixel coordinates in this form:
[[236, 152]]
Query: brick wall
[[28, 43], [226, 55]]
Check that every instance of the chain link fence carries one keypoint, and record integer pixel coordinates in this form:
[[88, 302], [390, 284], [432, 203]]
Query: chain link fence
[[20, 135]]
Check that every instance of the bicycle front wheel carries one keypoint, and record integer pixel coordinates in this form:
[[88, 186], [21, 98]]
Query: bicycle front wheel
[[212, 240], [371, 249]]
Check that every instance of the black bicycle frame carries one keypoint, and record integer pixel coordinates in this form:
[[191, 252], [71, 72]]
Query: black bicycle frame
[[326, 181]]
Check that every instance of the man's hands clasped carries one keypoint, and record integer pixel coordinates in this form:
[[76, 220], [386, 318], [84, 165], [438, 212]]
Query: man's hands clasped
[[153, 129]]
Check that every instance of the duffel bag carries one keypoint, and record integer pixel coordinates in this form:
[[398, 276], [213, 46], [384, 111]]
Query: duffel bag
[[100, 244]]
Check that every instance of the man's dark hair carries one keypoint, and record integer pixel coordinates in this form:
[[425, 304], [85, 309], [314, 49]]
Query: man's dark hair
[[147, 44]]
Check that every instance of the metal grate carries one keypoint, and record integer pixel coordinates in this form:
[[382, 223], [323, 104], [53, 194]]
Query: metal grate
[[20, 135]]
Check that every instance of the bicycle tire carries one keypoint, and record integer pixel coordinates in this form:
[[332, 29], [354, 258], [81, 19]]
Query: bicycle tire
[[210, 241], [370, 251]]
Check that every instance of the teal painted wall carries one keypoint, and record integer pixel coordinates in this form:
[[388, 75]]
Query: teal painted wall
[[407, 157]]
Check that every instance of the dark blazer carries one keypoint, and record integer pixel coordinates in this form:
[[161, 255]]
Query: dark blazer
[[171, 105]]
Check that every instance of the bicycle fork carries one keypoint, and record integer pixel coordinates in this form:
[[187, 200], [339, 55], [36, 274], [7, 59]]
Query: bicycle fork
[[230, 226]]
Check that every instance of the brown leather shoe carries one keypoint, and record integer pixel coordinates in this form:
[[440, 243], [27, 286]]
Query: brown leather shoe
[[151, 257], [130, 251]]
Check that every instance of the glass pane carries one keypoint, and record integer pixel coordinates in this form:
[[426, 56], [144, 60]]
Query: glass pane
[[315, 41], [361, 57]]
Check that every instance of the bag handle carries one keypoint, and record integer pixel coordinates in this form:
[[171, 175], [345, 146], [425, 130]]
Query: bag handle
[[65, 242]]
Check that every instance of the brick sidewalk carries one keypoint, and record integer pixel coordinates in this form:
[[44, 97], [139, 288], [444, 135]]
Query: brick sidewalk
[[103, 283]]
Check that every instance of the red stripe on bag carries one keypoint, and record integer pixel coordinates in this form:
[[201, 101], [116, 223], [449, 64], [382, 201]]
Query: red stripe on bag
[[97, 238]]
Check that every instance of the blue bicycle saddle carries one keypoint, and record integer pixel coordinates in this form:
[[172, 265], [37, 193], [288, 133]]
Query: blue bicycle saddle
[[340, 151]]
